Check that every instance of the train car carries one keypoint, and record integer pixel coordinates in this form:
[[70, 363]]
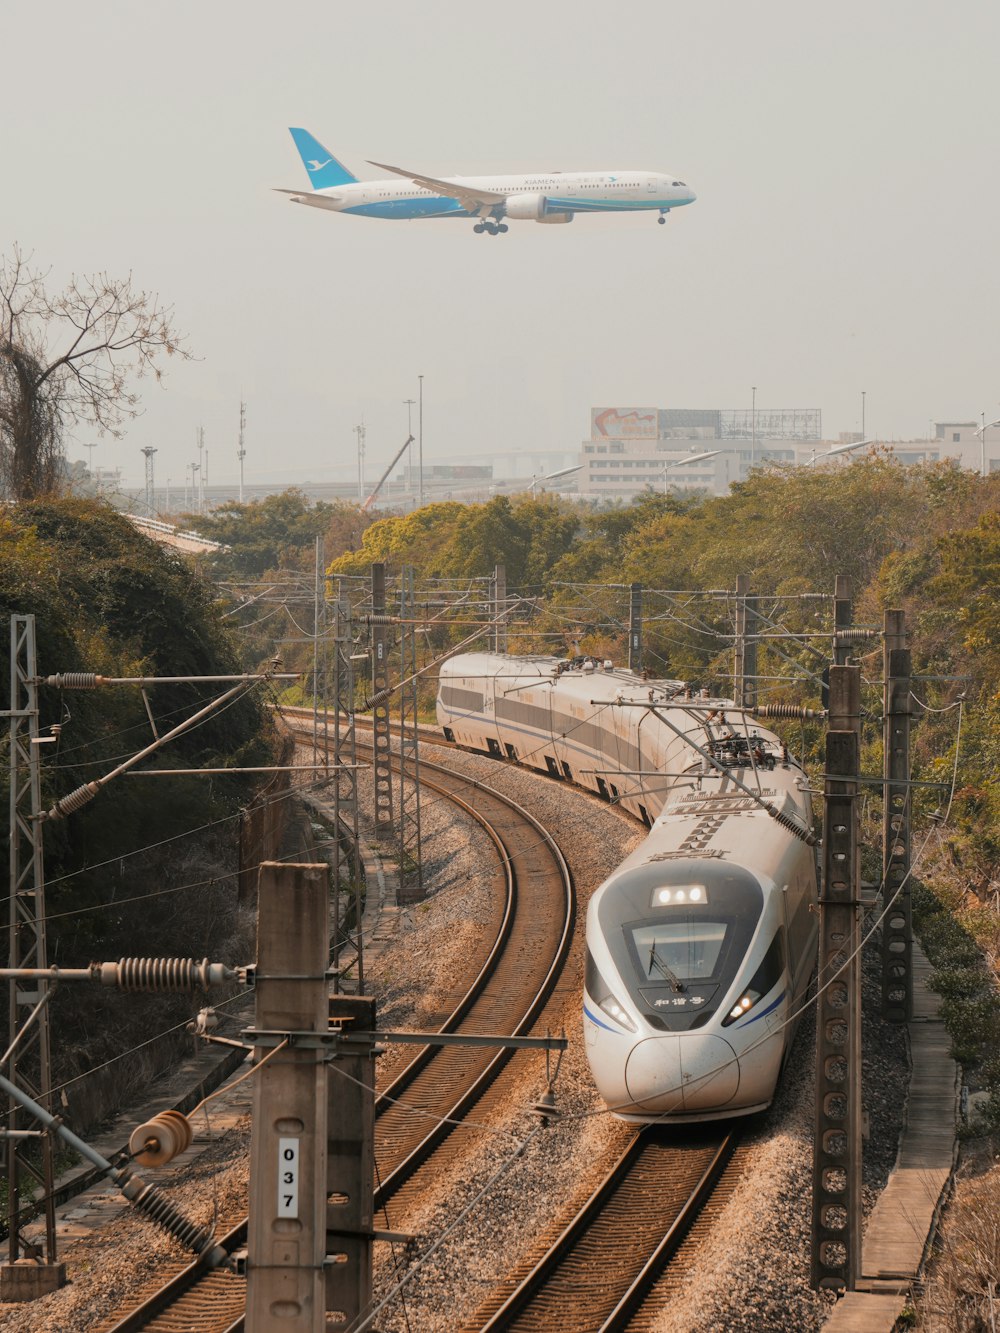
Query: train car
[[701, 945]]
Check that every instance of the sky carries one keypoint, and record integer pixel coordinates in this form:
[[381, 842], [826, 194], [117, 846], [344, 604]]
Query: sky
[[844, 238]]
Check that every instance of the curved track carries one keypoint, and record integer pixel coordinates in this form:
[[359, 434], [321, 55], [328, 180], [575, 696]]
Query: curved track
[[595, 1276], [533, 937]]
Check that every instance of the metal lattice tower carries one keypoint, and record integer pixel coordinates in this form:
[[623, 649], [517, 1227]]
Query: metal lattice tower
[[380, 706], [148, 453], [347, 863], [30, 1066], [411, 882]]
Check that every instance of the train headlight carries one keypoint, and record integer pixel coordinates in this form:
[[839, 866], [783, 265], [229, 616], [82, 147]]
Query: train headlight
[[600, 992], [614, 1010], [679, 893], [746, 1002], [768, 975]]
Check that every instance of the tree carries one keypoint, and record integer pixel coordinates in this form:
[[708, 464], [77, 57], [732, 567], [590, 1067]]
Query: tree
[[67, 360]]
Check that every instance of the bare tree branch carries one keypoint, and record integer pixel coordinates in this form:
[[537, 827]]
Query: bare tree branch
[[67, 360]]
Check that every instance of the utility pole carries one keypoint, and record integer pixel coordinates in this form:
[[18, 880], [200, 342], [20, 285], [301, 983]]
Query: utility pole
[[148, 453], [411, 874], [745, 664], [286, 1234], [345, 790], [897, 930], [26, 1275], [319, 636], [380, 707], [499, 607], [753, 427], [201, 469], [635, 628], [836, 1193], [241, 452]]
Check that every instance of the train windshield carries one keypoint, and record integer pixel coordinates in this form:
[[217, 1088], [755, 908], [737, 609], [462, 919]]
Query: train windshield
[[679, 950]]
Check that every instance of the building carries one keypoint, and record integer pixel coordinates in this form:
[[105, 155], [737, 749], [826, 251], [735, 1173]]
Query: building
[[632, 449]]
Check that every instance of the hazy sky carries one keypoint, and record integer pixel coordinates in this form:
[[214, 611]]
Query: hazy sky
[[845, 236]]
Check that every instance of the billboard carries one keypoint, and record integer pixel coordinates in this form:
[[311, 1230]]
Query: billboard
[[623, 423]]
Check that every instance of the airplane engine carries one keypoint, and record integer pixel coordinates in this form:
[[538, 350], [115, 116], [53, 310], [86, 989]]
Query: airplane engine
[[526, 207]]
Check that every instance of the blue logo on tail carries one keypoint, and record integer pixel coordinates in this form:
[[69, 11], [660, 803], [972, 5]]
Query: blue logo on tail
[[323, 168]]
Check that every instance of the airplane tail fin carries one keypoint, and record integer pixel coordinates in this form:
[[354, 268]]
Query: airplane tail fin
[[323, 168]]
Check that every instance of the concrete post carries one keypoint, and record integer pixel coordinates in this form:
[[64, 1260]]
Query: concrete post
[[286, 1238], [350, 1166]]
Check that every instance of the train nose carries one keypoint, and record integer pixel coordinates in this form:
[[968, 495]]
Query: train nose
[[682, 1074]]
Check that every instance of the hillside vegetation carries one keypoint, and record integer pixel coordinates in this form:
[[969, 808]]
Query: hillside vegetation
[[108, 600]]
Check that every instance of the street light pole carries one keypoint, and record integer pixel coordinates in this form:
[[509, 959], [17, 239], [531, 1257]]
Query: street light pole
[[862, 413], [753, 427], [420, 439]]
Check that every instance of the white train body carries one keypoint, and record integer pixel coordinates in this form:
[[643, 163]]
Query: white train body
[[701, 944]]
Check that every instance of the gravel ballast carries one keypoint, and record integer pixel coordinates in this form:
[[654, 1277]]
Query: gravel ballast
[[753, 1273]]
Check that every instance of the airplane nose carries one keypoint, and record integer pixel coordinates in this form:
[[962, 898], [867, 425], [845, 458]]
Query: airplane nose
[[691, 196]]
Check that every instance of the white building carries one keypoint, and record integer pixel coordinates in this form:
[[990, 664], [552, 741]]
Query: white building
[[635, 449]]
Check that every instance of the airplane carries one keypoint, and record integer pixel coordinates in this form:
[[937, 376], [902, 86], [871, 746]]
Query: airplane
[[550, 197]]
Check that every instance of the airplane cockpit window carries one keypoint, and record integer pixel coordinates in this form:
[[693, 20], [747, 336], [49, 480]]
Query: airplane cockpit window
[[679, 183]]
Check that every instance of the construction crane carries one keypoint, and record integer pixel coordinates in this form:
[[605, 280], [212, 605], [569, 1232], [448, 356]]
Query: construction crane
[[381, 481]]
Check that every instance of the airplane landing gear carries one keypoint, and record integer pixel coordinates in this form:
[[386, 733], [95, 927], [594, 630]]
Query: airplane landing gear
[[480, 226], [493, 228], [661, 219]]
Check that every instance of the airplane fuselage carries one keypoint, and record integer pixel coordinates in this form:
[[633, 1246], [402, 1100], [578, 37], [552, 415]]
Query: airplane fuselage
[[529, 197]]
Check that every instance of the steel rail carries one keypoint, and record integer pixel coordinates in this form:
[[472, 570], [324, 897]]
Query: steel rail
[[610, 1209], [180, 1285]]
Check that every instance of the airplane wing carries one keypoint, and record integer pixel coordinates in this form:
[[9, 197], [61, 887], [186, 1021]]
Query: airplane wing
[[472, 199]]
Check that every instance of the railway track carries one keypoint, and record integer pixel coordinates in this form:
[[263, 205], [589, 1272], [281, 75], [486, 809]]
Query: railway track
[[533, 933], [596, 1275]]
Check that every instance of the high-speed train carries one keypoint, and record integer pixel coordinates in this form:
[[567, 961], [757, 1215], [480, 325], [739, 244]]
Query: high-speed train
[[701, 945]]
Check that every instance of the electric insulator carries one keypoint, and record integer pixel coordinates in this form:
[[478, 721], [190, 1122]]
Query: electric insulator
[[161, 1139], [75, 680], [151, 1201], [378, 698], [163, 974], [381, 620], [68, 805], [854, 635], [793, 826], [786, 710]]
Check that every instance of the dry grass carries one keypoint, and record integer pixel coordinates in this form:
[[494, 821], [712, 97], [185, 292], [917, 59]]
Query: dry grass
[[963, 1291]]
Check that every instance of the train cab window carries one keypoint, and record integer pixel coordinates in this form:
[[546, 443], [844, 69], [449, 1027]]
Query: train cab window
[[679, 951]]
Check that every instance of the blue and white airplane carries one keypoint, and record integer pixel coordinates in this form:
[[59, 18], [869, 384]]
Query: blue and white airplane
[[539, 197]]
